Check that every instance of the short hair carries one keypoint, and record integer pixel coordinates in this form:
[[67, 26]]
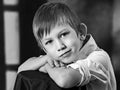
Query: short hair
[[54, 13]]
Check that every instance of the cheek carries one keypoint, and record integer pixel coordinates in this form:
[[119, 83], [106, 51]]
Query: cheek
[[51, 51], [73, 43], [75, 46]]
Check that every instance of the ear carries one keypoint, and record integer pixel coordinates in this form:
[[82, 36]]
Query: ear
[[81, 37], [82, 34], [83, 27]]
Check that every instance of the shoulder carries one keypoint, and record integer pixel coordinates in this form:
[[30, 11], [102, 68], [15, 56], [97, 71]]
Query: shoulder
[[100, 57], [99, 53]]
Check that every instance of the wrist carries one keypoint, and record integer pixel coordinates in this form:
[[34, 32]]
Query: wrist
[[43, 69], [48, 67]]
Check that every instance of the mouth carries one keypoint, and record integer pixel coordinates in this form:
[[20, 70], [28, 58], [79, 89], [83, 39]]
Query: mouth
[[66, 54]]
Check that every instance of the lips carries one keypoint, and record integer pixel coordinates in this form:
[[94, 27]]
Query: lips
[[66, 54]]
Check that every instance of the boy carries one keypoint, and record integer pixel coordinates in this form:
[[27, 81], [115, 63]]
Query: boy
[[72, 56]]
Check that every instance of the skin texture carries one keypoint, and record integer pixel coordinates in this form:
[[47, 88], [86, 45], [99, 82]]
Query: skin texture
[[62, 39]]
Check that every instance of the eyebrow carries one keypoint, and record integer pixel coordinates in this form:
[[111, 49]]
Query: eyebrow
[[46, 39], [65, 29]]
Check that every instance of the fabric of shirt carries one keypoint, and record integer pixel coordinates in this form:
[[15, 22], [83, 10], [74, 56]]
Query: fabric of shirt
[[95, 67]]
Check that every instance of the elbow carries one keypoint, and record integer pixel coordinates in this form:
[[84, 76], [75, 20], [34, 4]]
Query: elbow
[[63, 82]]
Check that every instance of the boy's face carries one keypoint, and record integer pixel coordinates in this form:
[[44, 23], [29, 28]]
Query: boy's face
[[62, 44]]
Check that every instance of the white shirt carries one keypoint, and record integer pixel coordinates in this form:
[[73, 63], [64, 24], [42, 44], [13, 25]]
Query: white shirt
[[95, 67]]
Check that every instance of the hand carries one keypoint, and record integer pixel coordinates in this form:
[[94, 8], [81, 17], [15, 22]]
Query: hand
[[57, 63], [49, 61], [52, 62]]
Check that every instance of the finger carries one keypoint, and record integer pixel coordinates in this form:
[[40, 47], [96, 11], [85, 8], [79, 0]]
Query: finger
[[51, 63], [61, 64], [56, 63]]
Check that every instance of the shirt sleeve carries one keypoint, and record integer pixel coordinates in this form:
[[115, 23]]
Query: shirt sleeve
[[95, 66]]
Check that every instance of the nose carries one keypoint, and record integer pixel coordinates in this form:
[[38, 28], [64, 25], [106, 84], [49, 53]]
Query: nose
[[61, 45]]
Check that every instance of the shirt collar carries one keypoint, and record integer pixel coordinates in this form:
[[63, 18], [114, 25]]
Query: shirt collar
[[89, 47]]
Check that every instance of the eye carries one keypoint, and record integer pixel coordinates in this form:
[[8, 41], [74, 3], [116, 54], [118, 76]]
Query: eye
[[64, 34], [48, 42]]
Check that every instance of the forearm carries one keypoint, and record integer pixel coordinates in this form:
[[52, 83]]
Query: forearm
[[32, 64], [64, 77]]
